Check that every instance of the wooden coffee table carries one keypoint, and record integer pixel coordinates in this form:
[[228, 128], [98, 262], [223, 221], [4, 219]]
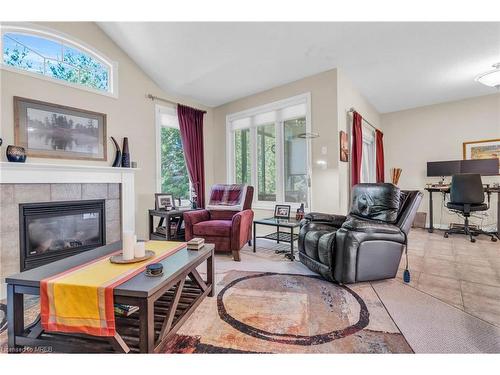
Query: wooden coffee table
[[164, 303]]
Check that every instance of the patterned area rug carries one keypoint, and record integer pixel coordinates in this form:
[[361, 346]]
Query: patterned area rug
[[288, 313]]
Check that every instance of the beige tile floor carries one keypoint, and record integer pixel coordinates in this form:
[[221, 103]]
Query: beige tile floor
[[456, 271]]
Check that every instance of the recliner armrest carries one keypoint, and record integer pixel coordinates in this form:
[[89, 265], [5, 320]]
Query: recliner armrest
[[353, 233], [241, 228], [194, 217], [320, 218], [191, 218]]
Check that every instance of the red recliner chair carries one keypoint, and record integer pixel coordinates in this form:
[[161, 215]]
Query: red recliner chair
[[227, 220]]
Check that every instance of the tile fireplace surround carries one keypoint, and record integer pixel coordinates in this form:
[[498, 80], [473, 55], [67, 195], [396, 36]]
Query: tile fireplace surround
[[30, 182]]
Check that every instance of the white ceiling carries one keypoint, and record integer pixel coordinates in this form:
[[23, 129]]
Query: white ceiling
[[394, 65]]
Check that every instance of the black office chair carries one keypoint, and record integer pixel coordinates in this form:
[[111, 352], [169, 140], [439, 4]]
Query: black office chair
[[467, 196]]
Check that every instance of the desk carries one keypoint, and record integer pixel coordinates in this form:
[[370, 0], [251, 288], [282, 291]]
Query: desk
[[446, 189]]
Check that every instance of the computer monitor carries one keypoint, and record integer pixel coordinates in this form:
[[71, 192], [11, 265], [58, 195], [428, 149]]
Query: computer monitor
[[443, 168], [485, 167]]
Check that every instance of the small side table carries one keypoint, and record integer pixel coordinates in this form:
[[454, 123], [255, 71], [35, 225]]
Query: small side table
[[171, 217], [278, 236]]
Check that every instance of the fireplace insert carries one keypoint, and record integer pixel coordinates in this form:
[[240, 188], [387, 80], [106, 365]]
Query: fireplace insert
[[54, 230]]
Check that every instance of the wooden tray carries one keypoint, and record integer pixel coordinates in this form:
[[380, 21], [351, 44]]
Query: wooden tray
[[119, 258]]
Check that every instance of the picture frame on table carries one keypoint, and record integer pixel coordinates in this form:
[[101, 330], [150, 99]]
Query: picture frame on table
[[282, 211], [48, 130], [164, 201]]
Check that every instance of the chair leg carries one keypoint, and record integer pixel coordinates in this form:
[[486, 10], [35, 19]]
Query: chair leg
[[249, 242], [236, 255], [477, 232], [468, 231]]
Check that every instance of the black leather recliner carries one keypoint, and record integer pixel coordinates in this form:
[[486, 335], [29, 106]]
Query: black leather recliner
[[365, 245]]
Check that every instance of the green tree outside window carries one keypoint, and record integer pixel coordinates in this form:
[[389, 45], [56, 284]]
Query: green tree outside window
[[174, 175]]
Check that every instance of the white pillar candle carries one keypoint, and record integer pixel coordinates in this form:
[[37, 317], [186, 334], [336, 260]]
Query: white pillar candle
[[129, 240], [140, 249]]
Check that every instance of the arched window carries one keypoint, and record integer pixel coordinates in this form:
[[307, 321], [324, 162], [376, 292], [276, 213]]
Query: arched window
[[55, 56]]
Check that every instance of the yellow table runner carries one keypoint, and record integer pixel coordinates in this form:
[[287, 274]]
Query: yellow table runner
[[80, 300]]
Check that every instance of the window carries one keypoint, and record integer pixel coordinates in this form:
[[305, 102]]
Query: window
[[266, 162], [242, 156], [295, 172], [265, 150], [172, 173], [55, 57], [368, 159]]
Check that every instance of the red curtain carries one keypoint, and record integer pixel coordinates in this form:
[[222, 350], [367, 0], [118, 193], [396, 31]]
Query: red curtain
[[191, 127], [357, 149], [380, 155]]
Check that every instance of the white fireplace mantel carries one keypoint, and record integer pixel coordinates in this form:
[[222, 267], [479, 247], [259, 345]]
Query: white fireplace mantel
[[41, 173]]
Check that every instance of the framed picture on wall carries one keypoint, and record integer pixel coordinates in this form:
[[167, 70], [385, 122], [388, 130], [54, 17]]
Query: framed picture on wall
[[485, 149], [344, 147], [48, 130]]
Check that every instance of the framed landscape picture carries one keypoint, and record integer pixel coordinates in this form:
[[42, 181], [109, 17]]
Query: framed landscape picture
[[49, 130], [486, 149]]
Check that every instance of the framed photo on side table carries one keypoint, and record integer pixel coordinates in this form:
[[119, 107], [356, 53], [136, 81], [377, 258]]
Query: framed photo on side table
[[164, 201], [48, 130], [282, 211]]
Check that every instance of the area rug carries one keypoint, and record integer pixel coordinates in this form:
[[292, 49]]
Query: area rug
[[288, 313]]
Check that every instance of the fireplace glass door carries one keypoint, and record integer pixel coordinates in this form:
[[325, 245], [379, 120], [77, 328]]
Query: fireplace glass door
[[54, 230], [56, 233]]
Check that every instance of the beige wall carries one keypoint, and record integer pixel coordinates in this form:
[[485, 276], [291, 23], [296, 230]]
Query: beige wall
[[131, 114], [432, 133], [348, 96], [324, 121]]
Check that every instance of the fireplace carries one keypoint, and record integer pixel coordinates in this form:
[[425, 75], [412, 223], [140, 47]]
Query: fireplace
[[54, 230]]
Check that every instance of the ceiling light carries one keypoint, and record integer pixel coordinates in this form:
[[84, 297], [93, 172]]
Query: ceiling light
[[490, 78], [309, 135]]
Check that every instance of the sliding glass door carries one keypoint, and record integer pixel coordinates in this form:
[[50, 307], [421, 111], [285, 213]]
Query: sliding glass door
[[267, 149]]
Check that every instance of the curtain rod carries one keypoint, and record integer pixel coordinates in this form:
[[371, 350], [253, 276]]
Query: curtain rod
[[373, 126], [153, 98]]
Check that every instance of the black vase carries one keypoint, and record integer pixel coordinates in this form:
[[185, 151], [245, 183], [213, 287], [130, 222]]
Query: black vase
[[125, 154], [16, 154]]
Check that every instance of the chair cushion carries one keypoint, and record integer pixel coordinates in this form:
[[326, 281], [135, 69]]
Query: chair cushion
[[376, 202], [219, 228], [229, 197], [370, 226], [473, 207]]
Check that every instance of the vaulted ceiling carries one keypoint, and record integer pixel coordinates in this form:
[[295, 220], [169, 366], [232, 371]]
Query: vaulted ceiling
[[394, 65]]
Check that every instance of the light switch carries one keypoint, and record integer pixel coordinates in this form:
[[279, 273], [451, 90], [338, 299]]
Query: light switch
[[324, 150]]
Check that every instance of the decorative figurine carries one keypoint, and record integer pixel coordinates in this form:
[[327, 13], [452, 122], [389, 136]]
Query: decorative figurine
[[118, 154], [300, 212]]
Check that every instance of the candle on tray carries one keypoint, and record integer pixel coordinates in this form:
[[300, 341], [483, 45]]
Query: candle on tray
[[140, 249], [129, 240]]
